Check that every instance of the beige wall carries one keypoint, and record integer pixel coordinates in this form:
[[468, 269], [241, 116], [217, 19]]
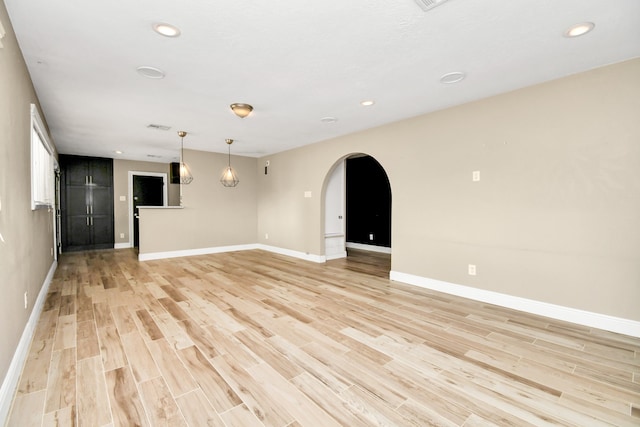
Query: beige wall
[[213, 215], [25, 254], [121, 170], [555, 217]]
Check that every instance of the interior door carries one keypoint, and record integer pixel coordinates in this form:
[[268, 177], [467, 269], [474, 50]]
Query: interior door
[[147, 191]]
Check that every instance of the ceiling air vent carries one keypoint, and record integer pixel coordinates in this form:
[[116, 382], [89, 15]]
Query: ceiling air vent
[[427, 5], [158, 127]]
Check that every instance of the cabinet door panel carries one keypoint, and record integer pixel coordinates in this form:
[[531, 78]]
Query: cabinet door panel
[[101, 199], [77, 201], [102, 172], [78, 231], [76, 170], [102, 229]]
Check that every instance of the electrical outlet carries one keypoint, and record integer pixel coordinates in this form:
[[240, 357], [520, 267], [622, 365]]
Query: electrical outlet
[[475, 176], [51, 251], [266, 236], [26, 300], [371, 236], [122, 235], [472, 270]]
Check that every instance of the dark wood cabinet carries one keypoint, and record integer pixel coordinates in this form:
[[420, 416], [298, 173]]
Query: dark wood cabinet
[[86, 198]]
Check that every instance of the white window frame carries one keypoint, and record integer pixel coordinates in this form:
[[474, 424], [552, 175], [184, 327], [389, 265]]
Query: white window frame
[[42, 164]]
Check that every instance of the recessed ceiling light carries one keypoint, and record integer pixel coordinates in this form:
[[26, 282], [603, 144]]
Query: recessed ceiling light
[[328, 120], [367, 103], [579, 29], [454, 77], [118, 152], [150, 72], [166, 30]]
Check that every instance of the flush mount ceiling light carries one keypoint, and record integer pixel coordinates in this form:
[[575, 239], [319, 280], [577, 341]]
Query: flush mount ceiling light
[[367, 103], [454, 77], [241, 110], [150, 72], [579, 29], [328, 120], [185, 172], [118, 152], [166, 30], [229, 177]]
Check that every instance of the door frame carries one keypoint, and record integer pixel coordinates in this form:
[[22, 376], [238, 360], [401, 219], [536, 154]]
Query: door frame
[[130, 196], [57, 213]]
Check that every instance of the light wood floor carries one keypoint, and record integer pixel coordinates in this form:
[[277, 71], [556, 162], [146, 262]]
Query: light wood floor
[[252, 338]]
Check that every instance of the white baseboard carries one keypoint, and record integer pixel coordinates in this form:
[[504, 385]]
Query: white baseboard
[[12, 378], [342, 254], [370, 248], [568, 314], [221, 249], [192, 252], [295, 254], [124, 245]]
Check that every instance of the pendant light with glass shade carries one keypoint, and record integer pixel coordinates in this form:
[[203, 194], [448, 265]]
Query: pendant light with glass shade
[[229, 177], [185, 172]]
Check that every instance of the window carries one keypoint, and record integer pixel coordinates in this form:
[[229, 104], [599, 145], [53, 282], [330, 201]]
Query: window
[[42, 173]]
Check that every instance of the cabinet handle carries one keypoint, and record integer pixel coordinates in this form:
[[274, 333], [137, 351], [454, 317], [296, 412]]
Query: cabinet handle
[[92, 221], [91, 209], [87, 221], [90, 179], [86, 180], [87, 209]]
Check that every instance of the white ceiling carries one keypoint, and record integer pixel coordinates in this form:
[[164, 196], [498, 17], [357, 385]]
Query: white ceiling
[[295, 61]]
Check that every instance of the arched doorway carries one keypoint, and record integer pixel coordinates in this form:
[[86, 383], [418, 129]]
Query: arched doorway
[[357, 213]]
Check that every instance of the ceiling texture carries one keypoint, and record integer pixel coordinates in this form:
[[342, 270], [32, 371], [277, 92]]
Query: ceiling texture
[[299, 63]]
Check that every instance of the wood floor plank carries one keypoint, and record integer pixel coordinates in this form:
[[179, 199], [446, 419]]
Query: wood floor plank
[[198, 411], [298, 404], [142, 364], [178, 378], [328, 401], [124, 399], [27, 410], [61, 387], [240, 416], [87, 337], [36, 368], [123, 320], [62, 417], [161, 407], [218, 392], [93, 408], [65, 332], [149, 328], [113, 355], [265, 407]]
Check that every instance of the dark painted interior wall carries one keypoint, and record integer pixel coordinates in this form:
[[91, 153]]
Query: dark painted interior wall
[[368, 202]]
